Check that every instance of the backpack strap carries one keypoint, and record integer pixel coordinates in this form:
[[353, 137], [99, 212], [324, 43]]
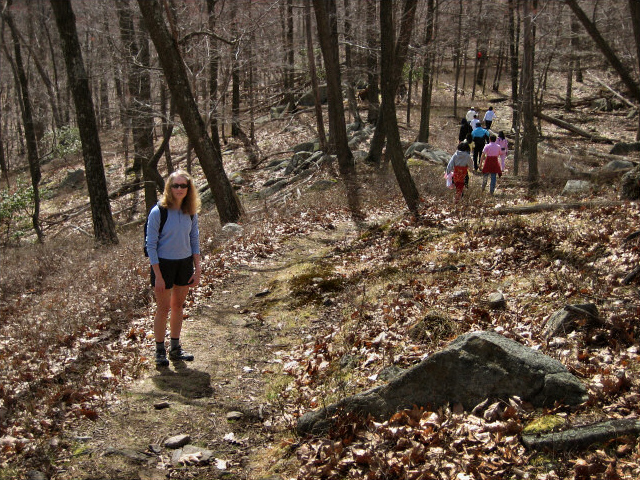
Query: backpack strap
[[164, 214]]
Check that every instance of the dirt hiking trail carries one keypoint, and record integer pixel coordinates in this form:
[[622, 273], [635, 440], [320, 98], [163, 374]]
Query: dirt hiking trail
[[220, 400]]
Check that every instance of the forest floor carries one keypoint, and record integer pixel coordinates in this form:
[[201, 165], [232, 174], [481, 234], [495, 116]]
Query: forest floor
[[305, 307]]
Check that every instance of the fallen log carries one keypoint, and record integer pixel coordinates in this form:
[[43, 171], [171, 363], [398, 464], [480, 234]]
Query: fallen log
[[572, 128], [550, 207], [583, 436]]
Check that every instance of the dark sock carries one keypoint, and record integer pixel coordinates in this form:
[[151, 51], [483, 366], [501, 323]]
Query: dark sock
[[175, 343], [160, 347]]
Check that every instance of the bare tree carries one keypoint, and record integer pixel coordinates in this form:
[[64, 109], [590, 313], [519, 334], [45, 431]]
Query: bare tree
[[22, 86], [427, 74], [103, 225], [372, 62], [227, 202], [139, 109], [326, 21], [391, 65], [398, 58], [634, 8], [530, 133], [622, 71], [322, 137]]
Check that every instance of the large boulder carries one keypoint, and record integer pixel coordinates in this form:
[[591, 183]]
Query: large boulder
[[309, 99], [623, 148], [630, 182], [474, 367]]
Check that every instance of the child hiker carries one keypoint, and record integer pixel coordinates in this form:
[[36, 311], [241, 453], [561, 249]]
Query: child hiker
[[503, 143], [459, 165], [490, 163]]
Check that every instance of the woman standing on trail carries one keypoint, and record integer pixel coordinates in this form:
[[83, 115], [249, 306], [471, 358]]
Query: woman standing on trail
[[173, 245]]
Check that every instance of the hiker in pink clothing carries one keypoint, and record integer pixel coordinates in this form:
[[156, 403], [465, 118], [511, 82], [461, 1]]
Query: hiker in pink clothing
[[490, 163], [504, 148]]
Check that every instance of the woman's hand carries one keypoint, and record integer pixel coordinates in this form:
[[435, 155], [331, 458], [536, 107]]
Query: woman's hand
[[195, 278], [160, 286]]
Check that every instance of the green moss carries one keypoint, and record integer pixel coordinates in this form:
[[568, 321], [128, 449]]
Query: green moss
[[547, 423], [312, 285]]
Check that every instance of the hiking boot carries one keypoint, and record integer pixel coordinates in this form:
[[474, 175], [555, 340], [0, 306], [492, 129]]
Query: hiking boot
[[161, 358], [178, 353]]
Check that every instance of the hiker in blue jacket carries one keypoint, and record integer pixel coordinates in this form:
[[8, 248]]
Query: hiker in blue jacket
[[173, 246], [479, 136]]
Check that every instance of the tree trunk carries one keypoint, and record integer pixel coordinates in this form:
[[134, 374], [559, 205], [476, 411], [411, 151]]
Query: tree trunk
[[139, 110], [458, 59], [634, 9], [22, 87], [167, 124], [530, 133], [289, 55], [427, 75], [103, 225], [514, 42], [214, 64], [372, 63], [326, 22], [348, 62], [322, 138], [227, 202], [390, 67], [399, 57]]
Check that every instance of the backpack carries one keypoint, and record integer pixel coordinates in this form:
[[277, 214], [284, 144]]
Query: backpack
[[164, 213]]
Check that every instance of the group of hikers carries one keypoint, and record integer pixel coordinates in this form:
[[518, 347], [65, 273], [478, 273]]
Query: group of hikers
[[489, 153]]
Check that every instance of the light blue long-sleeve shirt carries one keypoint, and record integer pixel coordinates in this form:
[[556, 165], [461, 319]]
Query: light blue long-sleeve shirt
[[180, 236]]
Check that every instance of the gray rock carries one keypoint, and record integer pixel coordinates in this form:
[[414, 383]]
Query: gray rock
[[618, 166], [272, 189], [136, 456], [321, 185], [496, 301], [279, 111], [191, 455], [563, 320], [234, 415], [309, 99], [74, 179], [631, 184], [584, 436], [623, 148], [304, 147], [428, 151], [177, 441], [232, 229], [576, 186], [36, 475], [474, 367], [360, 156]]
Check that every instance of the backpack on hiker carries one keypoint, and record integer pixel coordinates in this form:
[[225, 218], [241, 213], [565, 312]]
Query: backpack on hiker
[[164, 213]]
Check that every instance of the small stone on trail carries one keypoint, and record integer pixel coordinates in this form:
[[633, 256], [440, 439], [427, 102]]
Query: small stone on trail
[[161, 405], [264, 292], [234, 415], [177, 441], [496, 300]]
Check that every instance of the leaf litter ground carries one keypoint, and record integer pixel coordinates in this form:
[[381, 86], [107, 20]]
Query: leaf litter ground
[[306, 308]]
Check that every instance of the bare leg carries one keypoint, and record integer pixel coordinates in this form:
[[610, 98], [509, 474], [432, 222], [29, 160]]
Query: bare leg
[[163, 303], [177, 301]]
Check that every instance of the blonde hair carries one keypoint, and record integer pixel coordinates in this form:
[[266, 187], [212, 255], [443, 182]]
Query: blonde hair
[[191, 203]]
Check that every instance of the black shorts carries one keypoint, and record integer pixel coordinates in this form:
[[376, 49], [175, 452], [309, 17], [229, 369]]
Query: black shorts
[[174, 272]]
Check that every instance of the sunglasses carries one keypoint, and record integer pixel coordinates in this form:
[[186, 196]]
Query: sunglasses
[[180, 185]]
